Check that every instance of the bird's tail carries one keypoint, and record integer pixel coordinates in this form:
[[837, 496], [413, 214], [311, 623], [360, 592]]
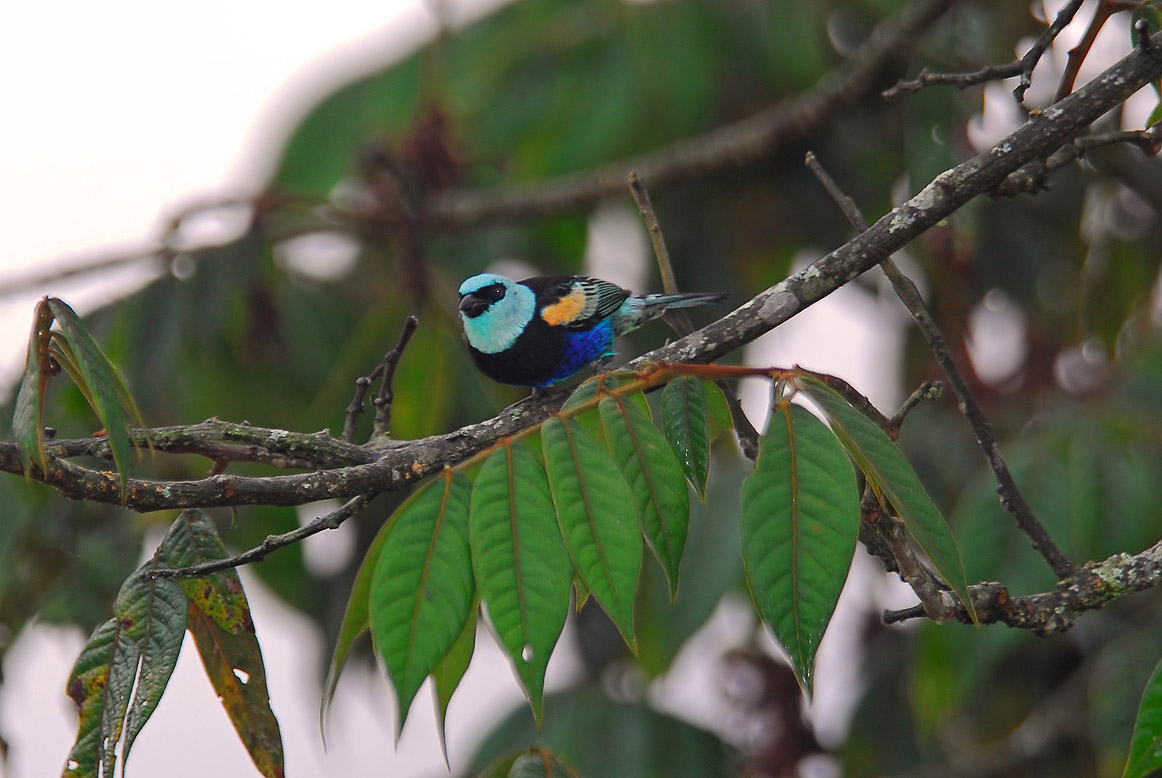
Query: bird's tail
[[636, 311], [685, 300]]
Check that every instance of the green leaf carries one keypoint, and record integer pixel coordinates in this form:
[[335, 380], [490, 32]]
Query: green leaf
[[595, 387], [99, 684], [718, 410], [99, 380], [582, 592], [594, 508], [521, 564], [1145, 755], [891, 475], [532, 763], [800, 521], [28, 417], [539, 764], [686, 420], [649, 466], [1155, 116], [233, 662], [449, 672], [153, 614], [711, 565], [422, 588], [599, 736], [356, 618], [123, 662]]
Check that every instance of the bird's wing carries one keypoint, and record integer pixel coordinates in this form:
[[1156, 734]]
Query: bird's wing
[[575, 302]]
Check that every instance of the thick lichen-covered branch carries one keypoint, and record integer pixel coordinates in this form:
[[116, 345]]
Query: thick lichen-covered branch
[[1056, 610]]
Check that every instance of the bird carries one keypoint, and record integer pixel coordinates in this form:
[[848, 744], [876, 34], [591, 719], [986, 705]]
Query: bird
[[545, 329]]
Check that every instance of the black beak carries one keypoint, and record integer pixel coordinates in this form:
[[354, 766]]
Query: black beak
[[472, 306]]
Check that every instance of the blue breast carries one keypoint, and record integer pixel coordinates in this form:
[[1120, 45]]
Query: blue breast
[[582, 347]]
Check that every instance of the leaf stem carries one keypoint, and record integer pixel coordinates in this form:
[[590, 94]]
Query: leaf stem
[[330, 520]]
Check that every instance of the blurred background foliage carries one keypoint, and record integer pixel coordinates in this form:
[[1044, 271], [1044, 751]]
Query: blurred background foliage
[[274, 325]]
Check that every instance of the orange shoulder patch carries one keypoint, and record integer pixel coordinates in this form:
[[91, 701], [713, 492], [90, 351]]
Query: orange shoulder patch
[[566, 310]]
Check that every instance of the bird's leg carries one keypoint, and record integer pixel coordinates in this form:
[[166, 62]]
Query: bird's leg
[[602, 365]]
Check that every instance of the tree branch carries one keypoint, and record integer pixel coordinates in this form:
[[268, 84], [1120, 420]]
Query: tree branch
[[239, 442], [734, 146], [271, 543], [1022, 67], [1054, 611], [1034, 177]]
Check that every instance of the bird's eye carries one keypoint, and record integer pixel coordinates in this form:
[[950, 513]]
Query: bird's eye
[[493, 292]]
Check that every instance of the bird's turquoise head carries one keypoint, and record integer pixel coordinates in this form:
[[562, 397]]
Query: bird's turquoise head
[[495, 311]]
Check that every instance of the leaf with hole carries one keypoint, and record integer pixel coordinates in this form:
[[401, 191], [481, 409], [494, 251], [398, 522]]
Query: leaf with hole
[[223, 631], [800, 521]]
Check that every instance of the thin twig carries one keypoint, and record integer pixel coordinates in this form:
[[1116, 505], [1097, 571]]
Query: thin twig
[[1142, 32], [910, 568], [327, 521], [748, 436], [678, 319], [1034, 176], [355, 407], [1076, 55], [386, 394], [1011, 497], [1022, 67], [383, 400], [929, 390]]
